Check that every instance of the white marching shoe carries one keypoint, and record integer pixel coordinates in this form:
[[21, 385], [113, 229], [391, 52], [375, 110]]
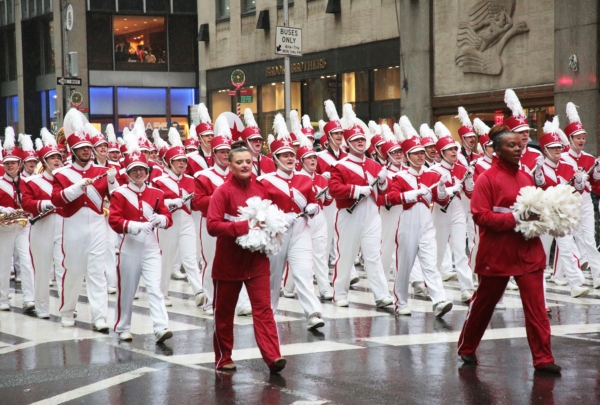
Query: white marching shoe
[[442, 308], [384, 302], [420, 289], [466, 295], [512, 285], [404, 311], [28, 306], [314, 321], [178, 275], [199, 299], [168, 302], [327, 295], [112, 290], [4, 307], [163, 335], [125, 337], [579, 291], [341, 303], [451, 275], [100, 326], [246, 311], [288, 294], [558, 281], [67, 322]]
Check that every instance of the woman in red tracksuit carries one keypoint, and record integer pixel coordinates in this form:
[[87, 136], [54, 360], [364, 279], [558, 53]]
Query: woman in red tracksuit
[[228, 276], [503, 252]]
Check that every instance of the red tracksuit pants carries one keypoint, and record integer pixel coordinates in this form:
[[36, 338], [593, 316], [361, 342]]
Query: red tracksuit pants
[[265, 329], [482, 307]]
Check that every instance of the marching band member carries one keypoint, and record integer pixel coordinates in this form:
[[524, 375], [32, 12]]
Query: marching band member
[[228, 276], [177, 186], [135, 210], [14, 238], [450, 226], [428, 140], [201, 159], [549, 171], [29, 156], [485, 142], [45, 236], [415, 189], [580, 160], [350, 182], [518, 123], [114, 153], [157, 161], [79, 191], [192, 143], [377, 140], [253, 139]]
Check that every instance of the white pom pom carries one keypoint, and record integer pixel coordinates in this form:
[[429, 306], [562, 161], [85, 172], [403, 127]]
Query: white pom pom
[[530, 201], [249, 118], [331, 111], [513, 103], [463, 116], [268, 238], [203, 114], [564, 204], [440, 130], [408, 131], [174, 137], [480, 127], [572, 113]]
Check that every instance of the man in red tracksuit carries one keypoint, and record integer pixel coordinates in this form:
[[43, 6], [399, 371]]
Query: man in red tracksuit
[[228, 276], [503, 252]]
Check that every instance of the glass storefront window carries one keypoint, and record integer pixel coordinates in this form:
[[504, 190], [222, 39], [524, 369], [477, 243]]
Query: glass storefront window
[[272, 98], [220, 102], [12, 111], [318, 90], [254, 104], [248, 6], [181, 99], [101, 101], [387, 83], [48, 44], [355, 87], [142, 101], [139, 40]]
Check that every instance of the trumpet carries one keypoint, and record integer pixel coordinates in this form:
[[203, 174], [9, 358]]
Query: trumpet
[[17, 217]]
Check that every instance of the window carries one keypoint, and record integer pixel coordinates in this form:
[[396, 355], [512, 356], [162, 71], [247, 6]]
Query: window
[[12, 111], [185, 6], [8, 56], [183, 46], [181, 99], [142, 101], [248, 6], [48, 47], [355, 87], [139, 40], [272, 98], [99, 44], [220, 102], [158, 6], [102, 5], [101, 101], [387, 83], [131, 5], [6, 12], [222, 9], [280, 3]]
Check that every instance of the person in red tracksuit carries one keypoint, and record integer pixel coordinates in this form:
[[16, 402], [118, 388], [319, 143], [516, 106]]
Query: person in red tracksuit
[[228, 276], [503, 252]]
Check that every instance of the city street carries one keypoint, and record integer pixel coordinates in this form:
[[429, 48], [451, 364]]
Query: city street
[[361, 356]]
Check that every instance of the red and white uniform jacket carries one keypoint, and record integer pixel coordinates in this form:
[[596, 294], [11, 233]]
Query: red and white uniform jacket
[[2, 170], [392, 171], [319, 183], [349, 173], [528, 159], [584, 161], [554, 173], [455, 172], [25, 175], [66, 194], [410, 179], [466, 158], [206, 182], [262, 165], [36, 189], [328, 158], [290, 192], [177, 187], [481, 166], [156, 170], [197, 161], [10, 192], [130, 203]]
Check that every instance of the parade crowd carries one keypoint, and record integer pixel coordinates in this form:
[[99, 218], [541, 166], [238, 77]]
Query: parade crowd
[[413, 206]]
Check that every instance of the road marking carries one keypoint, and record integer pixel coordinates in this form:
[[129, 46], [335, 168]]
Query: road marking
[[95, 387]]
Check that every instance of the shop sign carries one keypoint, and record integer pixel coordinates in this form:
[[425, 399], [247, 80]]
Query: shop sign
[[298, 67], [232, 93], [246, 92], [246, 99], [288, 41]]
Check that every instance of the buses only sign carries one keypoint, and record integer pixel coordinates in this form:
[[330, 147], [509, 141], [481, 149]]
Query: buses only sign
[[288, 41]]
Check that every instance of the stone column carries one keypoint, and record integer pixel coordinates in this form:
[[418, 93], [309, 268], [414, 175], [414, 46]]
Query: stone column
[[19, 55], [576, 33], [416, 54]]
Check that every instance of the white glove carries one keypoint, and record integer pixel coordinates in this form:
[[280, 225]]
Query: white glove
[[147, 227], [580, 179], [470, 171], [423, 190], [362, 190], [6, 210], [311, 209], [454, 189], [47, 205], [383, 175], [411, 196], [159, 221], [327, 175], [175, 202], [539, 161], [111, 174], [469, 184], [134, 228], [441, 189], [290, 218]]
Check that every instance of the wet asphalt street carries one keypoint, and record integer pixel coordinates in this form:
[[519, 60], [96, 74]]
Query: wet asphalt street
[[361, 356]]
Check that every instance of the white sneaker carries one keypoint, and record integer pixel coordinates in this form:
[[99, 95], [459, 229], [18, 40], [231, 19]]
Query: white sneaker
[[466, 295], [579, 291], [168, 302], [501, 305], [512, 285], [112, 290], [178, 275], [100, 326], [67, 322], [209, 311], [341, 303], [597, 283], [314, 321], [137, 295], [451, 275], [558, 281], [327, 295], [199, 299], [52, 283], [384, 302], [420, 289], [4, 307], [441, 308], [43, 316], [404, 311], [354, 280], [125, 337], [288, 294], [163, 335], [547, 275], [28, 306], [246, 311]]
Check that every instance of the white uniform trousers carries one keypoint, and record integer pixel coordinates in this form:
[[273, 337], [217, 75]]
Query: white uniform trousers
[[180, 236], [359, 230], [208, 245], [450, 227], [390, 221], [417, 273], [318, 233], [45, 245], [15, 239], [84, 248], [416, 237], [139, 257], [566, 261], [197, 215], [466, 204], [584, 237], [547, 244], [297, 251], [111, 257]]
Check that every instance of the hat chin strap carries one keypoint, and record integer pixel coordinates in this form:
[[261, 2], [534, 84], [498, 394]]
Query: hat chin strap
[[444, 158], [428, 155], [411, 163], [145, 178], [394, 161], [354, 149], [280, 165], [338, 145]]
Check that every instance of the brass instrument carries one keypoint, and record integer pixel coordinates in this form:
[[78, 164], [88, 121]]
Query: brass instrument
[[18, 217], [106, 212]]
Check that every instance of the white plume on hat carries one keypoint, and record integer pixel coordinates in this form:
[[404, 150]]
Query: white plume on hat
[[26, 143], [550, 127], [426, 132], [331, 111], [408, 131], [295, 124], [387, 133], [572, 113], [203, 114], [480, 127], [249, 118], [398, 133], [349, 118], [463, 116], [374, 128], [74, 122], [441, 131], [280, 128], [132, 143], [47, 137], [158, 141], [91, 130], [556, 125], [193, 133], [306, 122], [304, 141], [174, 137], [9, 138], [38, 144], [270, 139], [125, 131], [322, 127], [121, 141], [110, 134], [513, 103], [222, 127], [139, 128]]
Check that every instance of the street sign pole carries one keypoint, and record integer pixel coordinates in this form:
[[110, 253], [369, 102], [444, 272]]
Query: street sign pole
[[287, 70]]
